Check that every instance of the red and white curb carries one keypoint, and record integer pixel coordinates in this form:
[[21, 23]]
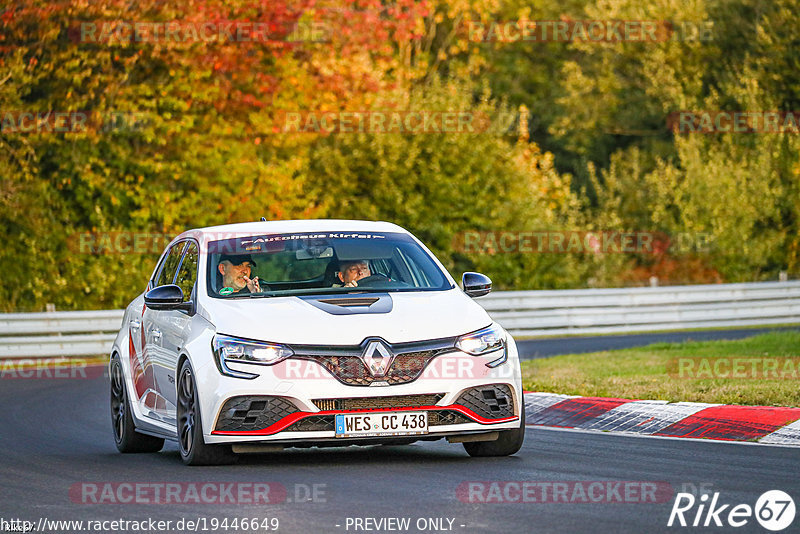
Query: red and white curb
[[761, 424]]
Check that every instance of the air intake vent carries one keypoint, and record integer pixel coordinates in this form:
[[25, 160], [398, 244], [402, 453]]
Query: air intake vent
[[493, 401], [253, 412], [350, 302], [376, 403]]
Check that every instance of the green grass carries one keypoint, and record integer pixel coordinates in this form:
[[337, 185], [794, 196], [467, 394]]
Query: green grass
[[651, 372]]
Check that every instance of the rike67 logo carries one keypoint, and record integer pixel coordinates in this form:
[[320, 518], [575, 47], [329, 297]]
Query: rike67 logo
[[774, 510]]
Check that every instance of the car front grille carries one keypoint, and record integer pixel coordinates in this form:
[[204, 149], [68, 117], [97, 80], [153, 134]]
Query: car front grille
[[447, 417], [313, 423], [253, 412], [375, 403], [346, 363], [493, 401]]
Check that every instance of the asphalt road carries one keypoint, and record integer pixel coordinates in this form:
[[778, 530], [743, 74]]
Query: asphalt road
[[543, 348], [56, 436]]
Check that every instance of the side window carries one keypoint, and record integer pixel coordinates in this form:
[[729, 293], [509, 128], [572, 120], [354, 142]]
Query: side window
[[167, 274], [187, 274]]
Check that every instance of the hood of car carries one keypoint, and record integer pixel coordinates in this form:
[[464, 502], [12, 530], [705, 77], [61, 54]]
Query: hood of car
[[348, 319]]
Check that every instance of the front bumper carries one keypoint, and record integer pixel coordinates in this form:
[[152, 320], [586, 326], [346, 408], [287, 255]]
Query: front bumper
[[459, 392]]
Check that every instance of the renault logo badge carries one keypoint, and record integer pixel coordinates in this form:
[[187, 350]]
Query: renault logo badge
[[377, 357]]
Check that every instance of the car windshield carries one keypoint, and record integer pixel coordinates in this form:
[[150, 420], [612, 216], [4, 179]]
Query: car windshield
[[320, 262]]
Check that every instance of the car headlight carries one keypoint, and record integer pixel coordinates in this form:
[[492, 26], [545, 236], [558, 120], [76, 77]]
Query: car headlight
[[485, 340], [229, 349]]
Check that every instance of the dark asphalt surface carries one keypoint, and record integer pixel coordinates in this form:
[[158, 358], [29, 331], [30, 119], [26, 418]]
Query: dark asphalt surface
[[544, 348], [56, 433]]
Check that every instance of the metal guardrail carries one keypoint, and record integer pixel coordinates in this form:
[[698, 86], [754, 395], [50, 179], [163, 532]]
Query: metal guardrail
[[608, 311], [77, 333], [523, 313]]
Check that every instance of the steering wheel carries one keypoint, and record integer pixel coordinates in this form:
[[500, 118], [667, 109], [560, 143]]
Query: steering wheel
[[373, 280]]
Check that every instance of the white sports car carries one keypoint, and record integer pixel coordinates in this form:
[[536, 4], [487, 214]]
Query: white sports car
[[258, 336]]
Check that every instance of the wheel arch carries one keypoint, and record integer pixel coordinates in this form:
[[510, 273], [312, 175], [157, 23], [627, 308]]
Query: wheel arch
[[182, 358]]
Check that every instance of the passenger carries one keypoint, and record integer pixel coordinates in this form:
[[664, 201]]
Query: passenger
[[351, 271], [235, 270]]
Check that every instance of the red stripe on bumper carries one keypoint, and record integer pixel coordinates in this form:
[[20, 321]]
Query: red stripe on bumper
[[293, 418]]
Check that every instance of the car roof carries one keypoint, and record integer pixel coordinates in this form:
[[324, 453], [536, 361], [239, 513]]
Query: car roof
[[227, 231]]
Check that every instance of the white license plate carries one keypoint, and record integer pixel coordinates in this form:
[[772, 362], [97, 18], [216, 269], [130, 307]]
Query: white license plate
[[381, 424]]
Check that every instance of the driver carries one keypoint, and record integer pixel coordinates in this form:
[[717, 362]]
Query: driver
[[351, 271], [235, 270]]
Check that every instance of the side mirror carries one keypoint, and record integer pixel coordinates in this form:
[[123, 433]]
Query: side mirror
[[476, 284], [168, 297]]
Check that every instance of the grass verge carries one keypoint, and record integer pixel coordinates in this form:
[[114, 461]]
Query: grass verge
[[761, 370]]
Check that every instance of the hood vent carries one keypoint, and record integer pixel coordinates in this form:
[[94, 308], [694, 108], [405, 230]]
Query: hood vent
[[352, 305]]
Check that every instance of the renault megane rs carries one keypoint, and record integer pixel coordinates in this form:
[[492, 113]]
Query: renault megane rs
[[259, 336]]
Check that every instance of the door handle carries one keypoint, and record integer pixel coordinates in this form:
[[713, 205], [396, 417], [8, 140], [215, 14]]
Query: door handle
[[156, 335], [135, 324]]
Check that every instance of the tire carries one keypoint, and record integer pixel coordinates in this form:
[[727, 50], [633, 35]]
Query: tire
[[509, 442], [194, 450], [126, 437]]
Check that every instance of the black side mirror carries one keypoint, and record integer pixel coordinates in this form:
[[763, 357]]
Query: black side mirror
[[476, 284], [168, 297]]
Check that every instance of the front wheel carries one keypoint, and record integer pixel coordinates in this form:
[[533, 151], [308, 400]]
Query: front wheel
[[194, 450], [509, 442], [125, 435]]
